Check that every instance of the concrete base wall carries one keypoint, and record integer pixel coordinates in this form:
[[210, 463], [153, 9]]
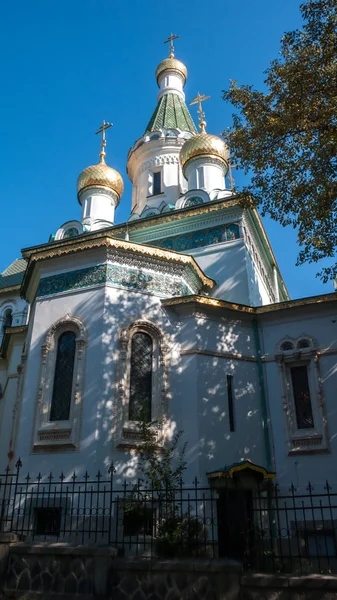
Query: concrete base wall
[[54, 571], [283, 587], [58, 571]]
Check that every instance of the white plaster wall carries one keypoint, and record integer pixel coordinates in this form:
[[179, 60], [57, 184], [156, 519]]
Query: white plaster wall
[[321, 324], [101, 207], [212, 175], [9, 381], [259, 294], [171, 82], [226, 264], [202, 403], [171, 175]]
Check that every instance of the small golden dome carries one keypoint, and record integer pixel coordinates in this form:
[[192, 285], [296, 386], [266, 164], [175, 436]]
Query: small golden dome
[[171, 64], [100, 175], [204, 144]]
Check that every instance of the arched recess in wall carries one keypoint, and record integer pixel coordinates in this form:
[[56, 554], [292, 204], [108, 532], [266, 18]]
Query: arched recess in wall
[[59, 400], [141, 380]]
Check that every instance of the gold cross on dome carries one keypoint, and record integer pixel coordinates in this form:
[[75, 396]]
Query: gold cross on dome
[[170, 39], [199, 99], [105, 125]]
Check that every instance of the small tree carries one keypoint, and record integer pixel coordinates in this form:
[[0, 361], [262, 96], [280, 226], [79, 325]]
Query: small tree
[[162, 467]]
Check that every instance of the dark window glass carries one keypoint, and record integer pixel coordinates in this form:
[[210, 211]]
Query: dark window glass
[[303, 344], [63, 378], [156, 183], [141, 377], [47, 521], [299, 378], [230, 402], [285, 346], [138, 520], [8, 319]]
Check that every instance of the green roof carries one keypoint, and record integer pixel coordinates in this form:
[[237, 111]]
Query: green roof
[[171, 112], [13, 275]]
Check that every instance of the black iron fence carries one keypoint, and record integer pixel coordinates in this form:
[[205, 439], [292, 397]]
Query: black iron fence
[[287, 530]]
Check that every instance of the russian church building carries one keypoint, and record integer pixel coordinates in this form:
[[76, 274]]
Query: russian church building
[[180, 315]]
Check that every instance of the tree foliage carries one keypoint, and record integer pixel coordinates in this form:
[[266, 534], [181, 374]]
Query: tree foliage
[[288, 135]]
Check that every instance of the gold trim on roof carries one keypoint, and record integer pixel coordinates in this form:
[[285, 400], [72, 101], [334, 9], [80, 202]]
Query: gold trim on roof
[[268, 308], [110, 242], [10, 288], [245, 465]]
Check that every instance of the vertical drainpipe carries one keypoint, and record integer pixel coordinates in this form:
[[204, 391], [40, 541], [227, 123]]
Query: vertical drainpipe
[[267, 445]]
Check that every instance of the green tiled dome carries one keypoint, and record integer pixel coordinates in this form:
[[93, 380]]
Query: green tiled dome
[[171, 112]]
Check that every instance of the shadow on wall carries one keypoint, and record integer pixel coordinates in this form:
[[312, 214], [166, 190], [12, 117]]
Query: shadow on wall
[[198, 386]]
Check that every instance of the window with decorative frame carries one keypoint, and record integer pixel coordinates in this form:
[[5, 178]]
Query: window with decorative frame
[[303, 399], [142, 381], [7, 319], [57, 422]]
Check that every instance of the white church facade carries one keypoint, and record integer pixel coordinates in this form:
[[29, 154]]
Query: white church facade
[[180, 314]]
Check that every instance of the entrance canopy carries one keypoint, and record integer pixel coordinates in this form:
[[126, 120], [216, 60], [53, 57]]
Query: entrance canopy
[[245, 465]]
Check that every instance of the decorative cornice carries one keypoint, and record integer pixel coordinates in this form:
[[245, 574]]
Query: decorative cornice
[[99, 241], [9, 332], [116, 230], [159, 160], [117, 275], [190, 225], [10, 288], [216, 354], [269, 308]]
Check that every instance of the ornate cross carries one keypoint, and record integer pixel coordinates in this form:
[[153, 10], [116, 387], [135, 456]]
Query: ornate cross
[[199, 99], [170, 39], [105, 125]]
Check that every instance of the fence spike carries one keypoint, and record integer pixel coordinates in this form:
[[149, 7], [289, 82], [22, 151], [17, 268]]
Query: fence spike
[[327, 487], [18, 464], [111, 469]]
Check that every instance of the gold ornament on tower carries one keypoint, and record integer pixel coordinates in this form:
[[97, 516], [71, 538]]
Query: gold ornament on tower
[[203, 144], [101, 175], [171, 63]]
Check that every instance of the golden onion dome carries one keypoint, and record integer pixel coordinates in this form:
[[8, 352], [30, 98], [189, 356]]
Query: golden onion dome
[[171, 64], [204, 144], [100, 175]]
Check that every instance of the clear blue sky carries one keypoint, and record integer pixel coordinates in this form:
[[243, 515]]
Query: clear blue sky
[[67, 65]]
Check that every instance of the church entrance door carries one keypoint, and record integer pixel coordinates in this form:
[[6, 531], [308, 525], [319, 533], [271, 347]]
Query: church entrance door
[[235, 524]]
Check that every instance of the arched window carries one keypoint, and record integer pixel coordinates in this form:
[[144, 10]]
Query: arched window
[[286, 346], [303, 343], [63, 377], [141, 377], [8, 318]]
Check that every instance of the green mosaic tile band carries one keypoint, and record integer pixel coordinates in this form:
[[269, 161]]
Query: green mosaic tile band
[[198, 239], [171, 112], [118, 275]]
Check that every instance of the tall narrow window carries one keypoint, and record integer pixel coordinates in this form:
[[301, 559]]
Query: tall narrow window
[[230, 402], [141, 377], [200, 177], [8, 318], [87, 208], [301, 392], [63, 378], [156, 183]]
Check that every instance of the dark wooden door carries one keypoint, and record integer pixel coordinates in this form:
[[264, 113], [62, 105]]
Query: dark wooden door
[[235, 524]]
